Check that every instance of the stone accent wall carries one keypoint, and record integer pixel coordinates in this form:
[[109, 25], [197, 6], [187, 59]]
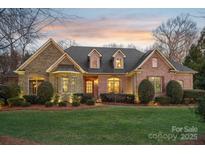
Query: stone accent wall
[[44, 60], [57, 82], [39, 66]]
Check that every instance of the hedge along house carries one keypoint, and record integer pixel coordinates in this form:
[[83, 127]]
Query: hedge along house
[[96, 70]]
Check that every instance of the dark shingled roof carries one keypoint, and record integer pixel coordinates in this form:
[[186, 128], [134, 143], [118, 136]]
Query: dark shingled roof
[[66, 68], [181, 67], [133, 59]]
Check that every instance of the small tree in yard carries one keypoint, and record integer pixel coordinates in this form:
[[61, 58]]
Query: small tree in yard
[[201, 107], [45, 91], [175, 91], [4, 92], [146, 91]]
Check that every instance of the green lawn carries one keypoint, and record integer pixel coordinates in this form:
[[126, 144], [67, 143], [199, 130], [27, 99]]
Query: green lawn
[[107, 125]]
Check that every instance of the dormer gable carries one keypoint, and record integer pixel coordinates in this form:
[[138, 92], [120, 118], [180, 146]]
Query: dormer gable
[[94, 59], [118, 52], [118, 59]]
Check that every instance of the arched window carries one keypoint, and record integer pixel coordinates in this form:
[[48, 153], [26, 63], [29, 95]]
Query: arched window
[[113, 85]]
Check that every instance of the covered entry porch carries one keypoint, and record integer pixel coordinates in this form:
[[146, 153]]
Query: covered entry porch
[[91, 85]]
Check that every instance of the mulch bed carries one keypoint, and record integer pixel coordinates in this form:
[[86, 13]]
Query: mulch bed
[[53, 108], [7, 140], [147, 105], [199, 141], [83, 106]]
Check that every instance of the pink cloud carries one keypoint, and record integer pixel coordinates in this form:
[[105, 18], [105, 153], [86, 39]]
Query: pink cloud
[[105, 30]]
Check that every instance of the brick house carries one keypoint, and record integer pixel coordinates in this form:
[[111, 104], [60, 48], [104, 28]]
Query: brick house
[[97, 70]]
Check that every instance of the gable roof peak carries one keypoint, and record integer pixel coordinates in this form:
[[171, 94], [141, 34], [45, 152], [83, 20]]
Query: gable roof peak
[[119, 51], [94, 50]]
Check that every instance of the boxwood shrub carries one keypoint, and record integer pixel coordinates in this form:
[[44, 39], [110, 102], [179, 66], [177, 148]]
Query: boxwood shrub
[[120, 98], [75, 103], [33, 99], [83, 97], [90, 101], [175, 91], [15, 101], [61, 104], [49, 104], [191, 96], [163, 100], [146, 91], [25, 104]]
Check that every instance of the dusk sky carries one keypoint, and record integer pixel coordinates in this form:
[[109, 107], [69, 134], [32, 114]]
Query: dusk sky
[[96, 27]]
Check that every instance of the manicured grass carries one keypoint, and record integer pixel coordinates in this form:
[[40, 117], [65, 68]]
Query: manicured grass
[[109, 125]]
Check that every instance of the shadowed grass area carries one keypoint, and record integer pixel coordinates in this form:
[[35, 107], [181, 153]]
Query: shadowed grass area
[[109, 125]]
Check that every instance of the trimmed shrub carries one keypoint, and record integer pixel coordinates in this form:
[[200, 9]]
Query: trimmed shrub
[[33, 99], [4, 92], [56, 99], [130, 98], [45, 92], [76, 100], [175, 91], [191, 96], [25, 104], [9, 91], [82, 97], [146, 91], [49, 104], [61, 104], [122, 98], [76, 103], [85, 98], [90, 102], [201, 107], [163, 100], [1, 102], [14, 90], [15, 101]]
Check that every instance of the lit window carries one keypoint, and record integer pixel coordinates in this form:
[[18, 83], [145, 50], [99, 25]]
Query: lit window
[[94, 63], [157, 83], [181, 83], [72, 84], [154, 62], [65, 84], [119, 63], [113, 85], [33, 85], [89, 87]]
